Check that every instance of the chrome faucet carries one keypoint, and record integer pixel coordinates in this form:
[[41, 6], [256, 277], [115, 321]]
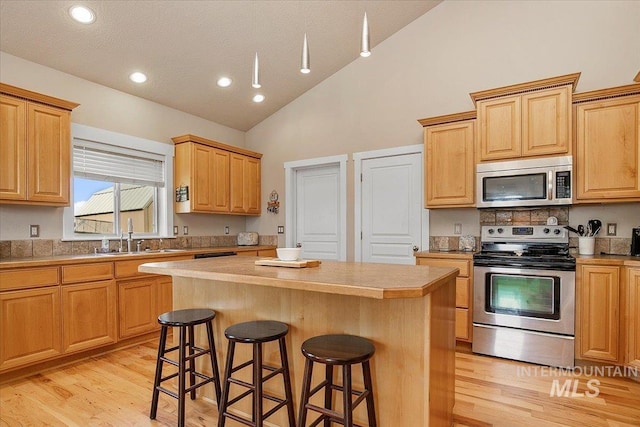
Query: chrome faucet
[[138, 245], [129, 241], [121, 237]]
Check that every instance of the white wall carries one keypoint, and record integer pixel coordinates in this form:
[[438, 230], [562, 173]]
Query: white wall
[[429, 67], [116, 111]]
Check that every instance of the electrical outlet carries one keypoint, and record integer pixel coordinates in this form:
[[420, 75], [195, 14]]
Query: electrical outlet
[[612, 228], [34, 231], [175, 229], [281, 229], [185, 230], [457, 228], [226, 229]]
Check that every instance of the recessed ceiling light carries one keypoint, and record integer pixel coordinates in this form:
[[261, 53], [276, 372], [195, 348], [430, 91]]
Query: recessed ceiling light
[[258, 97], [138, 77], [82, 14], [224, 82]]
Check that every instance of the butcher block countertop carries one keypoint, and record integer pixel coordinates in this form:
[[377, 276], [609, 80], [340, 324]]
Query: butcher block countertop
[[381, 281]]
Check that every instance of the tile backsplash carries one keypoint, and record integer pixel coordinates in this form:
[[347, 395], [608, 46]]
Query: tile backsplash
[[44, 247], [534, 216]]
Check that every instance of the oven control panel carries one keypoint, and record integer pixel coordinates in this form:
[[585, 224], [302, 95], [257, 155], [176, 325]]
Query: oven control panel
[[524, 233]]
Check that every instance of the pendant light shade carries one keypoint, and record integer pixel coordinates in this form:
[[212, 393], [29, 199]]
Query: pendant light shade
[[255, 82], [305, 64], [364, 44]]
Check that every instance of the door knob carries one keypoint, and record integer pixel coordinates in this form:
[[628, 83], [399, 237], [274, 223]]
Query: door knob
[[298, 245], [416, 249]]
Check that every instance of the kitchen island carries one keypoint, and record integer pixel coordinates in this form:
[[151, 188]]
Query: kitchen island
[[407, 311]]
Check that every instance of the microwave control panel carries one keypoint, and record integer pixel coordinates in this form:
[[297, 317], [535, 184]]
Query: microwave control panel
[[563, 185]]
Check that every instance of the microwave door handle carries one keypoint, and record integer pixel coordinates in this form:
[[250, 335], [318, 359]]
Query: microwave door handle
[[550, 186]]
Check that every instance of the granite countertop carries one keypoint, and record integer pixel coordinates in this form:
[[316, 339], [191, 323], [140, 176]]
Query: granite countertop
[[6, 263], [370, 280]]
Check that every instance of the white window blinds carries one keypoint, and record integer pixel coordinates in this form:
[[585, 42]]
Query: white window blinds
[[117, 164]]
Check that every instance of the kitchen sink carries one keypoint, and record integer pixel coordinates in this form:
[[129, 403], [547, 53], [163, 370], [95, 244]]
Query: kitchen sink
[[154, 251]]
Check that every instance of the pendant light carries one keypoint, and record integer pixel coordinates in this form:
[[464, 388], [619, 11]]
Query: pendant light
[[364, 44], [256, 73], [305, 64]]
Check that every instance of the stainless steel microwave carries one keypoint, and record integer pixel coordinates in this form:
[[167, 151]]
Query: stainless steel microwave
[[532, 182]]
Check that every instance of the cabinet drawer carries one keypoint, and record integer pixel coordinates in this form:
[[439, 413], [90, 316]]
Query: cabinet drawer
[[87, 272], [129, 268], [462, 292], [462, 324], [462, 265], [28, 278]]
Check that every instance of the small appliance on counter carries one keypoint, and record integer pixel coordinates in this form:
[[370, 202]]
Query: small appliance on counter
[[635, 241], [247, 238]]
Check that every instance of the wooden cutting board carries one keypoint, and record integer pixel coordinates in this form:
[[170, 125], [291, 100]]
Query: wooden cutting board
[[275, 262]]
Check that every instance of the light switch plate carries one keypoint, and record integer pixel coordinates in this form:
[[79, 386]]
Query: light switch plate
[[226, 229], [457, 228], [612, 228], [185, 230], [281, 229], [34, 231], [175, 229]]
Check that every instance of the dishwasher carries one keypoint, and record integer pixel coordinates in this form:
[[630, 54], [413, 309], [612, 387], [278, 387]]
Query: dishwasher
[[214, 254]]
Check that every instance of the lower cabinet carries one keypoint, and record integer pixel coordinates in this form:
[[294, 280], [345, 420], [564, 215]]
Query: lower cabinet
[[30, 326], [598, 298], [633, 316], [140, 302], [463, 291], [89, 315]]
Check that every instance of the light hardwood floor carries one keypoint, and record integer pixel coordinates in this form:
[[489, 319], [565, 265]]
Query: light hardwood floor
[[115, 390]]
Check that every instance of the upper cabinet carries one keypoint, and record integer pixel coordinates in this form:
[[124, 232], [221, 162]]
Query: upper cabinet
[[449, 160], [216, 178], [35, 147], [607, 145], [525, 120]]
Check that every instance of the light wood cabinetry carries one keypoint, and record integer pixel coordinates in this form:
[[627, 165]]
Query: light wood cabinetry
[[142, 297], [89, 315], [244, 184], [598, 323], [262, 253], [220, 178], [449, 160], [530, 119], [464, 288], [632, 314], [30, 326], [138, 306], [35, 147], [607, 145]]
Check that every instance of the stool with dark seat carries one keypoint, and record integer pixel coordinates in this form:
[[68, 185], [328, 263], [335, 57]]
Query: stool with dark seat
[[337, 350], [185, 320], [256, 333]]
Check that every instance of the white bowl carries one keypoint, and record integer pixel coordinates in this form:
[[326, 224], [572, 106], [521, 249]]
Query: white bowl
[[288, 254]]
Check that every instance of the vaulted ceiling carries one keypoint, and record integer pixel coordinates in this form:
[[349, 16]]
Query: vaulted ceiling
[[185, 46]]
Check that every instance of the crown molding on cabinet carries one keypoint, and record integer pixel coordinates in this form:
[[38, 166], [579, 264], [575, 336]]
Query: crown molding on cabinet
[[612, 92], [215, 144], [566, 79], [28, 95], [448, 118]]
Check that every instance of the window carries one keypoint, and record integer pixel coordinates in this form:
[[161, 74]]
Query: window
[[117, 180]]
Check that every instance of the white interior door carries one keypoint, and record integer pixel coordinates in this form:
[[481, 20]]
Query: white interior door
[[317, 212], [391, 208]]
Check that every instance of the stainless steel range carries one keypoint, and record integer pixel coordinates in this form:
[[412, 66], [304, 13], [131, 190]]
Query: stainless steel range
[[524, 295]]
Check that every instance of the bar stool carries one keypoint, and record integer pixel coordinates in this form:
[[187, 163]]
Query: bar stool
[[256, 333], [185, 320], [337, 350]]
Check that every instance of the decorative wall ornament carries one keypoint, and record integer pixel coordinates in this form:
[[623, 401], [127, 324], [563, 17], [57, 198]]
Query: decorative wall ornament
[[273, 205]]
